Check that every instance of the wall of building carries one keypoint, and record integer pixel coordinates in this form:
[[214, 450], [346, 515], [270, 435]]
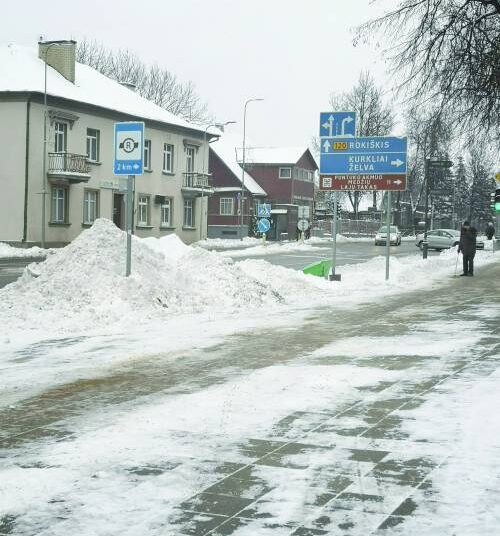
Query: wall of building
[[12, 169], [152, 182]]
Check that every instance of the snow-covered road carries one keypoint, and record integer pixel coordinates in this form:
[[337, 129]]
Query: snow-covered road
[[374, 419]]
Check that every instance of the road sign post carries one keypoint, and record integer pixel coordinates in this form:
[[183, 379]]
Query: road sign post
[[128, 160], [333, 276], [388, 235], [361, 164], [334, 125]]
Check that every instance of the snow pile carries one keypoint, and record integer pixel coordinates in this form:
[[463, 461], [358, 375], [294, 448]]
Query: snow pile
[[83, 285], [270, 248], [9, 252], [229, 243]]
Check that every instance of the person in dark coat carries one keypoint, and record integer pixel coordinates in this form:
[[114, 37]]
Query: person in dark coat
[[467, 246], [490, 231]]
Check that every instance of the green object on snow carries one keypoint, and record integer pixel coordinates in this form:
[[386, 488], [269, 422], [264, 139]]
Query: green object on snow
[[320, 269]]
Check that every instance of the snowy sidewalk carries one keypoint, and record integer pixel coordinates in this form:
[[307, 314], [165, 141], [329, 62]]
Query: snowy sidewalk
[[379, 420]]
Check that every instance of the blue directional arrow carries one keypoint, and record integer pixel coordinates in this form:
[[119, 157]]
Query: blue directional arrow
[[362, 163], [263, 225], [370, 145], [337, 124], [368, 155]]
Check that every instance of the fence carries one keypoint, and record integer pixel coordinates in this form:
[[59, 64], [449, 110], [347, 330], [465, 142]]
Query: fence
[[348, 227]]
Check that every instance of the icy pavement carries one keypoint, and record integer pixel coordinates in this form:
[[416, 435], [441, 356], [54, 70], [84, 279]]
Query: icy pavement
[[377, 420]]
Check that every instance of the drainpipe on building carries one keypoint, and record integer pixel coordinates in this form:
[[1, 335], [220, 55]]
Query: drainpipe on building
[[26, 170]]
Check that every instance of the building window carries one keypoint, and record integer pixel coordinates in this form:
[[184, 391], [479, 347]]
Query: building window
[[92, 145], [60, 137], [147, 154], [226, 205], [59, 209], [90, 206], [166, 213], [285, 173], [188, 213], [168, 158], [190, 152], [143, 209]]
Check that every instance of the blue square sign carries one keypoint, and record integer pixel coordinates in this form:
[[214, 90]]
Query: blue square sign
[[129, 149], [333, 124]]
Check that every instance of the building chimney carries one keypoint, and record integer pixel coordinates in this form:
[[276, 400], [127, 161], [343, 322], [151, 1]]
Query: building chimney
[[60, 55]]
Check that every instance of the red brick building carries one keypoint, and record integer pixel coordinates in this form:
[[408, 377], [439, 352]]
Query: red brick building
[[281, 176], [224, 216], [287, 175]]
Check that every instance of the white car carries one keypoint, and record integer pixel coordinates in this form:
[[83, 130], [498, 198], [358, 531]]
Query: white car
[[439, 239], [381, 236]]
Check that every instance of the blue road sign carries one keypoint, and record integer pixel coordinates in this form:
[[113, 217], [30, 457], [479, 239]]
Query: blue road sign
[[129, 148], [333, 124], [264, 210], [355, 156], [263, 225]]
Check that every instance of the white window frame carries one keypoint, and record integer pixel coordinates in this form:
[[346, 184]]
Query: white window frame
[[60, 137], [226, 206], [147, 154], [188, 210], [90, 206], [59, 205], [166, 208], [93, 142], [280, 173], [168, 158], [190, 158], [143, 209]]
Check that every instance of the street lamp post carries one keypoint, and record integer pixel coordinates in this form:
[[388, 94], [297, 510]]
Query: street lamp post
[[242, 198], [44, 165], [206, 170]]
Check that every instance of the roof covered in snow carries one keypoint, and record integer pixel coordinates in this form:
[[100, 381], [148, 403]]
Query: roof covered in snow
[[225, 148], [23, 71], [273, 155]]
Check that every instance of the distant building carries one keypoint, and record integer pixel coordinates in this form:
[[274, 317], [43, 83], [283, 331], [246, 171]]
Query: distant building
[[83, 106], [287, 175], [224, 206]]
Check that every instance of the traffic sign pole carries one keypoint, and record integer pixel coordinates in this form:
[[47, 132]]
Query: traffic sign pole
[[388, 235], [130, 214], [129, 158], [333, 275]]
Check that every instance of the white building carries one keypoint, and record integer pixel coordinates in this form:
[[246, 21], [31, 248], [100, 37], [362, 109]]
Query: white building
[[78, 184]]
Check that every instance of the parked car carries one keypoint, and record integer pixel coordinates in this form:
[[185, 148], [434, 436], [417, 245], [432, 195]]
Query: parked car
[[439, 239], [381, 236]]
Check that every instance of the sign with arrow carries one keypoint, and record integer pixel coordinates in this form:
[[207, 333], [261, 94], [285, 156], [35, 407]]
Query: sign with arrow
[[129, 148], [376, 155], [363, 182], [440, 164], [332, 124]]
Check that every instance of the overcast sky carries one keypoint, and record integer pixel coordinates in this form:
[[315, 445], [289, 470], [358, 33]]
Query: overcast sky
[[292, 53]]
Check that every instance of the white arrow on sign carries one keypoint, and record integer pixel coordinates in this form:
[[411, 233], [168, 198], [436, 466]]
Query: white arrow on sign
[[326, 146], [397, 162], [329, 125], [347, 119]]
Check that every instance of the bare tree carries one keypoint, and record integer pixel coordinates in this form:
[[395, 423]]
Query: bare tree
[[479, 164], [154, 83], [373, 117], [429, 134], [447, 52]]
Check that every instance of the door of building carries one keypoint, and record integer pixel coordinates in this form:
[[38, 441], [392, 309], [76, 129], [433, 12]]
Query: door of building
[[118, 210]]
